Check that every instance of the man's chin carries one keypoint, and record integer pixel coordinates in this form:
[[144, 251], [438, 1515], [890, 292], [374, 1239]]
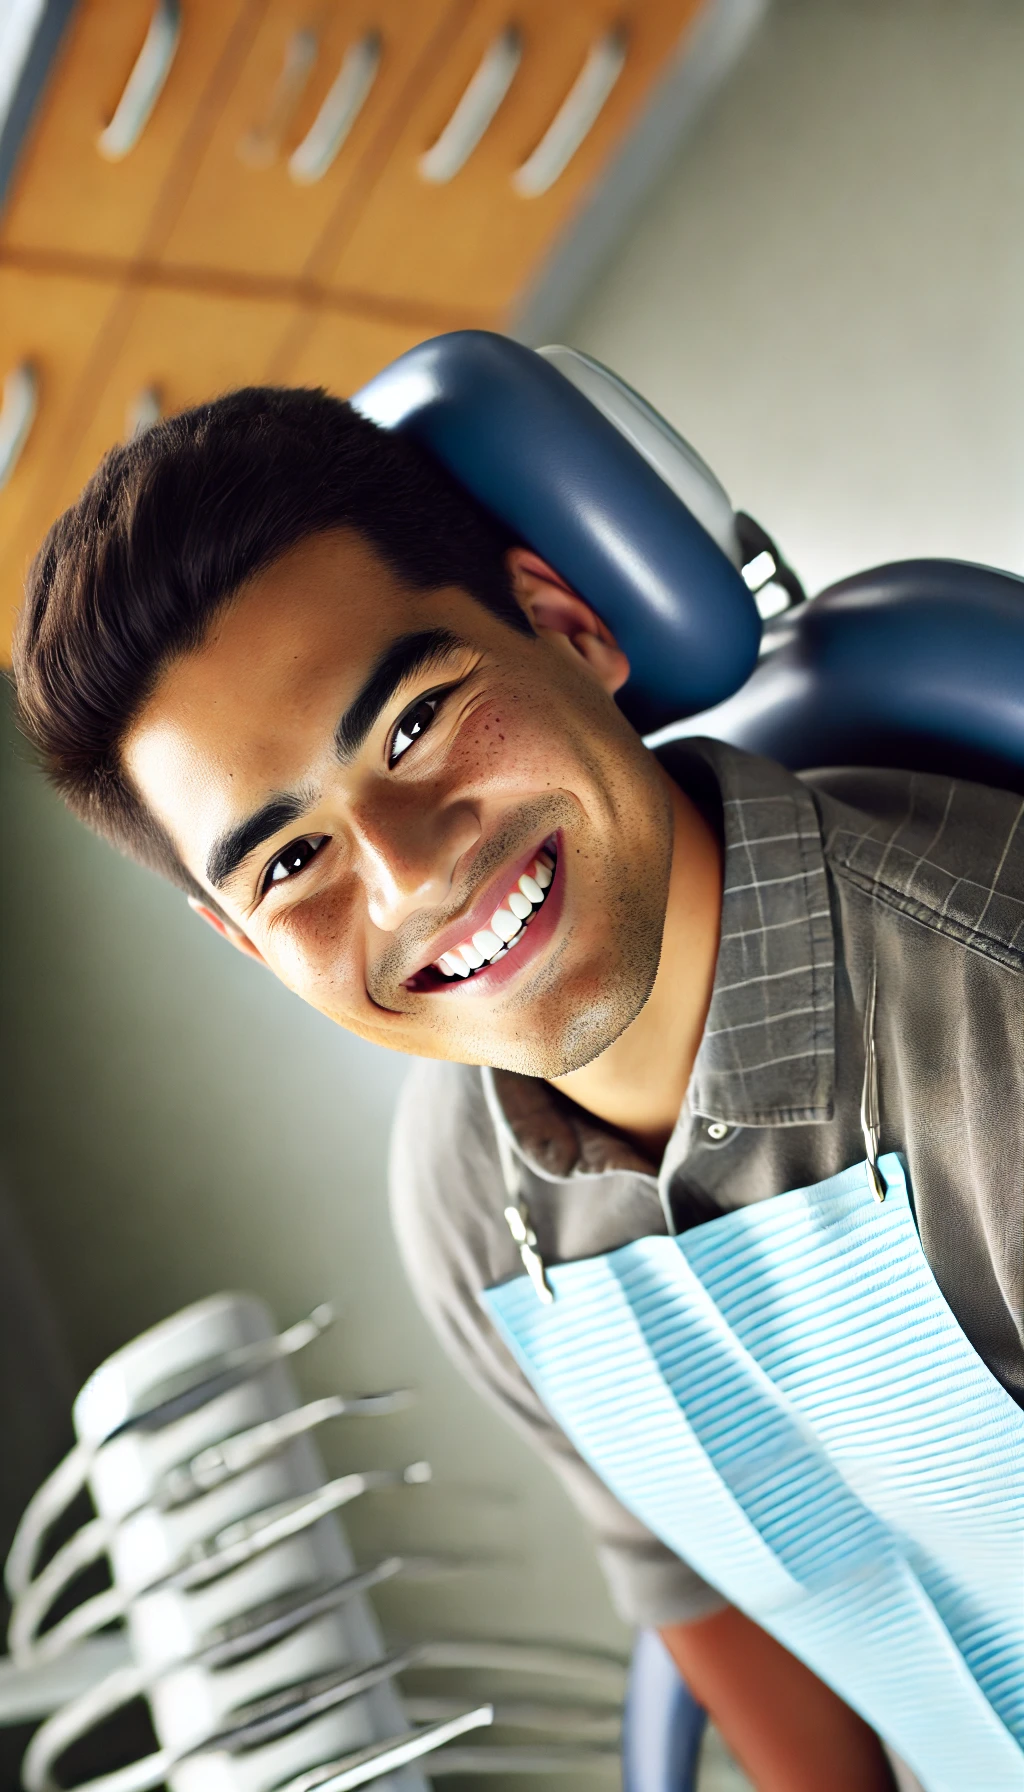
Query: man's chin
[[558, 1020], [565, 1031]]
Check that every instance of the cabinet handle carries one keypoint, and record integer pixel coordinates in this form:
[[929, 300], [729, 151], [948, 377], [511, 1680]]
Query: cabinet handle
[[144, 84], [475, 109], [17, 411], [261, 145], [344, 101], [575, 118]]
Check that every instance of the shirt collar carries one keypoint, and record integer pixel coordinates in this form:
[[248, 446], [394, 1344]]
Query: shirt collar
[[767, 1057]]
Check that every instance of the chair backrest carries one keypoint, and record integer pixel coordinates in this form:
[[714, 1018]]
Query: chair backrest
[[920, 664], [525, 441]]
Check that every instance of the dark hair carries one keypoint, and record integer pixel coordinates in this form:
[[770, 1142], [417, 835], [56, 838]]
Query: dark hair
[[166, 531]]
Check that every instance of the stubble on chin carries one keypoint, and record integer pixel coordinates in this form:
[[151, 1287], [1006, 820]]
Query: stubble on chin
[[567, 1013], [569, 1019], [572, 1028]]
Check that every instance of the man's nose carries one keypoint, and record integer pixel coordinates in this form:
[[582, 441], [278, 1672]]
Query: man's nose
[[408, 852]]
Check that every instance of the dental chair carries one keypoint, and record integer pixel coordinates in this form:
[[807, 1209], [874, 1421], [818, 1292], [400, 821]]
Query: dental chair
[[917, 665]]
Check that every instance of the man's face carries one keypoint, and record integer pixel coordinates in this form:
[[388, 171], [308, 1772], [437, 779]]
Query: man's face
[[365, 778]]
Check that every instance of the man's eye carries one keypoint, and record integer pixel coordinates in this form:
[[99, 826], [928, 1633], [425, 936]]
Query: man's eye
[[294, 858], [415, 722]]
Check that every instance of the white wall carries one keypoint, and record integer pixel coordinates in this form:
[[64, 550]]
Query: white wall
[[826, 294]]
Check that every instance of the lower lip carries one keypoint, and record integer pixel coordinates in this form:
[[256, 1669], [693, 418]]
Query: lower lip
[[539, 931]]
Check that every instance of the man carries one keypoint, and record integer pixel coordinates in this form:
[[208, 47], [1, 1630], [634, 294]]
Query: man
[[275, 654]]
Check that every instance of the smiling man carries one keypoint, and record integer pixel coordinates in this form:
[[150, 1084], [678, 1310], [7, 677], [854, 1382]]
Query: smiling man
[[275, 654], [421, 719]]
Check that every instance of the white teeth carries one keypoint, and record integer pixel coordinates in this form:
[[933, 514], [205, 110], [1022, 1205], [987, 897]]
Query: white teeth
[[507, 923], [487, 943], [504, 924], [453, 964]]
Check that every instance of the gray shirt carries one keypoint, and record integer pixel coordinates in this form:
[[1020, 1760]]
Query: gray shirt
[[826, 875]]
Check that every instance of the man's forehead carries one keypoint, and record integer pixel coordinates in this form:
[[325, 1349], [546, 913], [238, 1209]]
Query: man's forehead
[[316, 617], [289, 679], [245, 710], [330, 593]]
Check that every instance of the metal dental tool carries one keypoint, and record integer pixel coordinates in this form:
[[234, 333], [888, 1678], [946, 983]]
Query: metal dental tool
[[195, 1386], [870, 1119], [271, 1623], [516, 1211], [386, 1757], [599, 1724], [246, 1623], [219, 1462], [204, 1561], [249, 1727], [156, 1406], [548, 1660], [249, 1537], [225, 1647], [252, 1637]]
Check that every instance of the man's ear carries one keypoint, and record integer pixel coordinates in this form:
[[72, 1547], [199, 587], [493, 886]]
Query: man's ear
[[557, 613], [233, 935]]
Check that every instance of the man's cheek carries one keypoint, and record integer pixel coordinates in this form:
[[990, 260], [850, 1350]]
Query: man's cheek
[[311, 951], [510, 743]]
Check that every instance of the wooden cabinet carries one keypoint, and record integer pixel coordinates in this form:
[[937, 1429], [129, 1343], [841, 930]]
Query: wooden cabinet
[[55, 328], [69, 198], [281, 214], [473, 241], [179, 348], [102, 354], [254, 206], [343, 352]]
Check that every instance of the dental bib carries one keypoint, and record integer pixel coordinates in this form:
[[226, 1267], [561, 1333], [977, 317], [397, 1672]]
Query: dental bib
[[783, 1396]]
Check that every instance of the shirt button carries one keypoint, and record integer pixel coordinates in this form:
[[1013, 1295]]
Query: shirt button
[[717, 1130]]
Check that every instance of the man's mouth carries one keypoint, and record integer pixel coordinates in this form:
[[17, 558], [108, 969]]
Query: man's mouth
[[505, 930], [508, 923]]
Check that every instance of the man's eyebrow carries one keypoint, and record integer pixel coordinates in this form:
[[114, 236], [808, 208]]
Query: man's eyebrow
[[229, 851], [406, 656]]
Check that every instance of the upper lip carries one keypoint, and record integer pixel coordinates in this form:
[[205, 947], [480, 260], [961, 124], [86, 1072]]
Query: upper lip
[[479, 916]]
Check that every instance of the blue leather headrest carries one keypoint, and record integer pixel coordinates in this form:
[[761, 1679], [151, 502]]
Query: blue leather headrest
[[919, 665], [538, 454]]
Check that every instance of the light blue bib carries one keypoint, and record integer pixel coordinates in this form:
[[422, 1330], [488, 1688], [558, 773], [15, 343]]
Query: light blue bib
[[785, 1399]]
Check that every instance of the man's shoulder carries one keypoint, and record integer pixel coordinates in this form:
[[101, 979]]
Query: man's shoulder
[[947, 852], [436, 1102], [445, 1177]]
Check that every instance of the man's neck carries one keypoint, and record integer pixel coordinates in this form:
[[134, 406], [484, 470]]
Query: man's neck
[[638, 1084]]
